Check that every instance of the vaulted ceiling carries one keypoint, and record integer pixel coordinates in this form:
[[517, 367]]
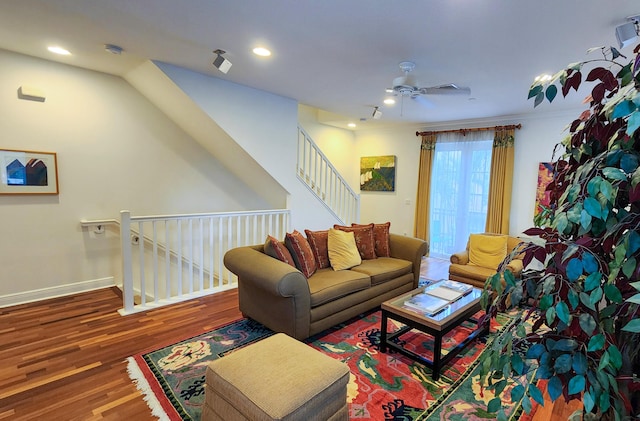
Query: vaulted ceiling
[[336, 55]]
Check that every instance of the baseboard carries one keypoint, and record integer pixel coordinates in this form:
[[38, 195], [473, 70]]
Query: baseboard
[[53, 292]]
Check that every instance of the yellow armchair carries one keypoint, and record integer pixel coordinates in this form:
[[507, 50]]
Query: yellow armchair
[[481, 258]]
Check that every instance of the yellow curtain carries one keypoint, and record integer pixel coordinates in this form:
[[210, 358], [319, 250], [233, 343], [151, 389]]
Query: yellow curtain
[[421, 225], [501, 182]]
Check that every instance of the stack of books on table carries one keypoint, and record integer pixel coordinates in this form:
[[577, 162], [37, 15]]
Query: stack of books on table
[[437, 296]]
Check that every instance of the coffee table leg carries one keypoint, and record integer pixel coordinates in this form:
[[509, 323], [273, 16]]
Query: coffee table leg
[[437, 355], [383, 332]]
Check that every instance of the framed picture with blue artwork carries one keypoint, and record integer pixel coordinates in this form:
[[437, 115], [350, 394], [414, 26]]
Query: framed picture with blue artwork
[[28, 172]]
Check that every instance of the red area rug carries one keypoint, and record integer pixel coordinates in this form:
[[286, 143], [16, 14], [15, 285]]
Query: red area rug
[[385, 386]]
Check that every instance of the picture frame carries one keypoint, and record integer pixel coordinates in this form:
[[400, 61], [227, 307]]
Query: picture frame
[[28, 172], [378, 173]]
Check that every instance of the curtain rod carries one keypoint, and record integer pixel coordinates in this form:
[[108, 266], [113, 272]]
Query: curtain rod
[[465, 131]]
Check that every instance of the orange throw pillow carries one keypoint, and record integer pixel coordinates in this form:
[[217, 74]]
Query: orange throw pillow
[[318, 241], [301, 253], [277, 250], [364, 240], [381, 238]]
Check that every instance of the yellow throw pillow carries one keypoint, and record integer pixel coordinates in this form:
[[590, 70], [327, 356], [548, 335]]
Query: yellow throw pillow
[[343, 252], [487, 250]]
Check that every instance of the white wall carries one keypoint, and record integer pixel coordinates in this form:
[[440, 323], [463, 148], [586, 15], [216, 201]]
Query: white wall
[[115, 151], [264, 125], [535, 142]]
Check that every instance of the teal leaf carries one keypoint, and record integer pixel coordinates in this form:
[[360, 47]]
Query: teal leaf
[[562, 310], [534, 91], [632, 326], [517, 364], [574, 269], [494, 405], [612, 293], [613, 173], [526, 405], [634, 299], [604, 403], [596, 343], [592, 206], [550, 315], [623, 109], [551, 92], [633, 123], [535, 351], [579, 363], [633, 242], [588, 401], [538, 100], [629, 267], [592, 281], [615, 356], [585, 219], [574, 300], [563, 364], [565, 345], [576, 384], [596, 296], [561, 222], [629, 163], [587, 323], [545, 302], [535, 393], [554, 387], [517, 393], [586, 300], [589, 263]]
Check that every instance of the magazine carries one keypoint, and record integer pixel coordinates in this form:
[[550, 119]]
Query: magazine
[[457, 286], [449, 290], [426, 303]]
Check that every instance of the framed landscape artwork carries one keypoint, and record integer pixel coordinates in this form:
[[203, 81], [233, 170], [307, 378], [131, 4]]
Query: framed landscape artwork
[[378, 173], [28, 172], [545, 175]]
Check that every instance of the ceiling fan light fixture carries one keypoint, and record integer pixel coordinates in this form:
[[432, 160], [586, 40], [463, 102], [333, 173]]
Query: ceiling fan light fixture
[[220, 62], [376, 113], [389, 101]]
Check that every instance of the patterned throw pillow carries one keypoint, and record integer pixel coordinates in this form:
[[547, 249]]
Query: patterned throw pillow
[[277, 250], [318, 242], [364, 240], [381, 238], [301, 253]]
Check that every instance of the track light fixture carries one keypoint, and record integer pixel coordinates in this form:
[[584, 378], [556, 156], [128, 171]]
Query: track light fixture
[[627, 33], [376, 113], [220, 62]]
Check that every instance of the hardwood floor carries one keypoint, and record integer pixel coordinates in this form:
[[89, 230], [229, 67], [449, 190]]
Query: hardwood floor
[[64, 358]]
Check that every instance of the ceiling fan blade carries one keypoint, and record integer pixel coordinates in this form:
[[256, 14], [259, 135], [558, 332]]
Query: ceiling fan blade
[[448, 89], [423, 101]]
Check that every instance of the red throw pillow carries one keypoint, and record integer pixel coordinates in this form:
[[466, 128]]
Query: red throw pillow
[[364, 240], [301, 253], [318, 241], [381, 238], [277, 250]]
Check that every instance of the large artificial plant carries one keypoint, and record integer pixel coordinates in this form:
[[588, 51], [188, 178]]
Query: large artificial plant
[[579, 333]]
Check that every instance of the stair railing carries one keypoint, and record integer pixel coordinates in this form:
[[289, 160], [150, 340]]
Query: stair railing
[[323, 179]]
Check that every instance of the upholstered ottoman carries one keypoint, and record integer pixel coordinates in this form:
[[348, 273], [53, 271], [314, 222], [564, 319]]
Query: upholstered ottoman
[[277, 378]]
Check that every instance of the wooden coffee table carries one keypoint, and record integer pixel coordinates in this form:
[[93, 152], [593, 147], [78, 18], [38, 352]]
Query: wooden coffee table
[[436, 325]]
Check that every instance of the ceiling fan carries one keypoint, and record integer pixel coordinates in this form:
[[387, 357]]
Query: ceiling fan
[[407, 86]]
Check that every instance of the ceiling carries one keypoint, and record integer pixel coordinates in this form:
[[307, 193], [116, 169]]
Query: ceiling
[[335, 55]]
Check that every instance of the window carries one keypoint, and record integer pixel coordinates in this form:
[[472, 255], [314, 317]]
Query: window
[[459, 190]]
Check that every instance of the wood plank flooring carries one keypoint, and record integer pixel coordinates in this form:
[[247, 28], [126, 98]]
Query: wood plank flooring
[[64, 358]]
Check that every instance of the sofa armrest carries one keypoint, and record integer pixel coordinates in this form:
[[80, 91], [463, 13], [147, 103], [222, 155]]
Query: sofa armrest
[[411, 249], [460, 258], [271, 292]]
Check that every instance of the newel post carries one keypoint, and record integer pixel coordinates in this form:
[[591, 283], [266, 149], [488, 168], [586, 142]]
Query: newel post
[[127, 269]]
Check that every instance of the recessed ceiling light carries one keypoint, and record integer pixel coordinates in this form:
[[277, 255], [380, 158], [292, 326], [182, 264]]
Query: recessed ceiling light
[[59, 50], [352, 125], [389, 101], [261, 51]]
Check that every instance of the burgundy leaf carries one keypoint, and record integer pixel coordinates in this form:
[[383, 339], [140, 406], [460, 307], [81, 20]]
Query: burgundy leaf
[[598, 92], [597, 73]]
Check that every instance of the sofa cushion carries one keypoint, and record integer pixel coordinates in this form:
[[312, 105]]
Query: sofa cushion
[[384, 269], [380, 238], [301, 253], [364, 239], [477, 273], [487, 250], [327, 285], [342, 250], [318, 242], [277, 250]]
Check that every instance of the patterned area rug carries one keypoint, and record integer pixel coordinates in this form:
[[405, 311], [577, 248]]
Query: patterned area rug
[[385, 386]]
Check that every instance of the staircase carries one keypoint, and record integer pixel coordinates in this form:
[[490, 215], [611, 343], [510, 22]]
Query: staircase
[[326, 183]]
